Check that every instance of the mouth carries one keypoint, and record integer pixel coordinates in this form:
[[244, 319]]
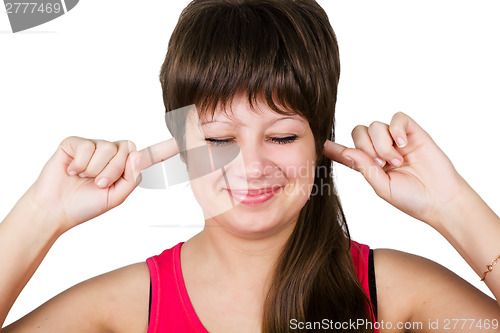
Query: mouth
[[253, 197]]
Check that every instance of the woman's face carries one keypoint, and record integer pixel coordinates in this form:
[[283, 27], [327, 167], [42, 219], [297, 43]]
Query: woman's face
[[276, 156]]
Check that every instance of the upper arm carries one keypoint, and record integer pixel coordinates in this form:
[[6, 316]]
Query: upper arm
[[113, 302], [414, 289]]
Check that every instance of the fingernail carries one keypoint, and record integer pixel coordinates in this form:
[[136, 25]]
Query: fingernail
[[349, 158], [379, 161], [396, 162], [71, 172], [401, 142], [81, 174], [103, 182]]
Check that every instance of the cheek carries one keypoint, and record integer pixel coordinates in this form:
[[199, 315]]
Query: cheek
[[297, 164], [212, 203]]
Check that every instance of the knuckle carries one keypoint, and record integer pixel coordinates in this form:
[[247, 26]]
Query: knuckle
[[125, 145], [67, 140], [395, 130], [357, 129], [398, 123], [399, 118], [376, 124], [108, 148], [400, 114], [130, 145], [86, 145]]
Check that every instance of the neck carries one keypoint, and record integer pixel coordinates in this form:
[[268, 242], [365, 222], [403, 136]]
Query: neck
[[238, 260]]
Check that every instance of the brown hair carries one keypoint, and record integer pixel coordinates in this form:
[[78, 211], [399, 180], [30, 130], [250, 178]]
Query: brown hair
[[285, 51]]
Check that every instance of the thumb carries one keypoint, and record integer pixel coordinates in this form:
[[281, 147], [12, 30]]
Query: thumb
[[131, 177], [132, 173], [373, 173]]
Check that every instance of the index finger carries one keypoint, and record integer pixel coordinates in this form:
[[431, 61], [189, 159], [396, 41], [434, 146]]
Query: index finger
[[156, 153], [334, 151]]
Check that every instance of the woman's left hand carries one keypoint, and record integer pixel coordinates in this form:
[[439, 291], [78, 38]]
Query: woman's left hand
[[412, 174]]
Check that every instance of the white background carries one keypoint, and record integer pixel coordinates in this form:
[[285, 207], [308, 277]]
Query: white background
[[94, 73]]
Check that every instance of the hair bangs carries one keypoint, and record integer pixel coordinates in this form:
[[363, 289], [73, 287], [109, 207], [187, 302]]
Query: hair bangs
[[241, 47]]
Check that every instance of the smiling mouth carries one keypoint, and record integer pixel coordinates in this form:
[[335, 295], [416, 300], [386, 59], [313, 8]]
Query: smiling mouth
[[253, 196], [254, 192]]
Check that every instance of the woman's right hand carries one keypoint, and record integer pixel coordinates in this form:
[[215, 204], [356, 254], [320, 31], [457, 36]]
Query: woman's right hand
[[85, 178]]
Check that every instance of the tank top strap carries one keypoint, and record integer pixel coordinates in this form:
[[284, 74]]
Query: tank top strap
[[360, 257], [171, 309]]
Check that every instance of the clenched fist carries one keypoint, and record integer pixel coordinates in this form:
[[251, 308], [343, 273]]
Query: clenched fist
[[404, 166], [85, 178]]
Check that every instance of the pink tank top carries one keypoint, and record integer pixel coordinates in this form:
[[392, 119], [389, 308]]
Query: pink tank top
[[171, 309]]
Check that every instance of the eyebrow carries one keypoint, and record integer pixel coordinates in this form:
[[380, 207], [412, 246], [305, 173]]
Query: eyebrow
[[240, 124]]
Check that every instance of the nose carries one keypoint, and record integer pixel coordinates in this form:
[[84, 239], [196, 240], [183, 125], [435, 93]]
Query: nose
[[254, 164]]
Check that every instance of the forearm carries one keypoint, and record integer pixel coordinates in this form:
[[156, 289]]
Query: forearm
[[26, 235], [473, 229]]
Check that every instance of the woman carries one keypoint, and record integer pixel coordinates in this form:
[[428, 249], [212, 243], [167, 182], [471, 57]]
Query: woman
[[270, 262]]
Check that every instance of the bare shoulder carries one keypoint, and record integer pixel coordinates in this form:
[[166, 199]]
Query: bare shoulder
[[117, 301], [413, 289]]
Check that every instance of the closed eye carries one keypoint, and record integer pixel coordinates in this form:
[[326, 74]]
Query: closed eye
[[222, 142]]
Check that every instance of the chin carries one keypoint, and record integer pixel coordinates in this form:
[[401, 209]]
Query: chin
[[255, 219], [243, 223]]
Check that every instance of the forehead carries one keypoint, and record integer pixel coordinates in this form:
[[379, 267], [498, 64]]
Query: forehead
[[240, 113], [222, 121]]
